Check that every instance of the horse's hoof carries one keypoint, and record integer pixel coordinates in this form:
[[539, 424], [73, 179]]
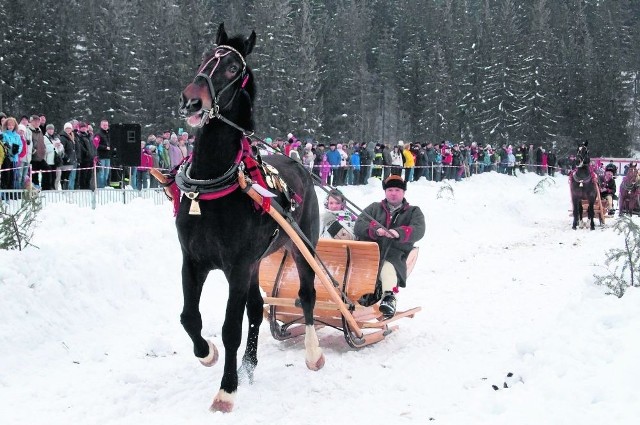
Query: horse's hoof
[[223, 402], [212, 357], [317, 365]]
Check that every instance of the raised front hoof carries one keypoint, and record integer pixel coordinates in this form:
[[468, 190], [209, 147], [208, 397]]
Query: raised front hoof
[[212, 357], [223, 402], [316, 364]]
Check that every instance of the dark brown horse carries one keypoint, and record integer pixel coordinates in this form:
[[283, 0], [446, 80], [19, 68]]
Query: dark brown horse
[[583, 186], [629, 200], [220, 227]]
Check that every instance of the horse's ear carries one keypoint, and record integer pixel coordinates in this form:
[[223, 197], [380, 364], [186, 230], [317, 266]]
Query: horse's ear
[[586, 143], [249, 43], [222, 37]]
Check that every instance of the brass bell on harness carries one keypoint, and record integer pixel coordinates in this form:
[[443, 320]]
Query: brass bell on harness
[[194, 209]]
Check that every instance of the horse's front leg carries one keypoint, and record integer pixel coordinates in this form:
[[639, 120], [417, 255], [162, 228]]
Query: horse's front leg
[[238, 280], [591, 214], [314, 358], [193, 277], [255, 305], [577, 206]]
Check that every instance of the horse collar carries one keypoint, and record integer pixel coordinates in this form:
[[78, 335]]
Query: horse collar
[[574, 177], [196, 189]]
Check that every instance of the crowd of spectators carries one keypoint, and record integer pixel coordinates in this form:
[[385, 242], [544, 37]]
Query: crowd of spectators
[[352, 163], [34, 154], [80, 158]]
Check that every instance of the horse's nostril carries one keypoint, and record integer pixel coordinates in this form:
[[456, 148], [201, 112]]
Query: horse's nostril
[[194, 105]]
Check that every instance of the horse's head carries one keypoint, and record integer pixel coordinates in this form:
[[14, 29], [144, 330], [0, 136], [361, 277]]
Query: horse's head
[[582, 156], [632, 176], [222, 74]]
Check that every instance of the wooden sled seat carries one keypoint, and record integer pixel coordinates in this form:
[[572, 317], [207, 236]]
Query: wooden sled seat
[[353, 266]]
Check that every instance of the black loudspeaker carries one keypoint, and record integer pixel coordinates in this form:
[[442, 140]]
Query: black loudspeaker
[[125, 142]]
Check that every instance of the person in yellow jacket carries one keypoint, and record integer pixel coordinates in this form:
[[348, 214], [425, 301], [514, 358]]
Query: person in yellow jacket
[[409, 162]]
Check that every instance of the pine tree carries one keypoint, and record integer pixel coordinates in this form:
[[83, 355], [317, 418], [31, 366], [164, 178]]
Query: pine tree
[[271, 64], [16, 228], [539, 116]]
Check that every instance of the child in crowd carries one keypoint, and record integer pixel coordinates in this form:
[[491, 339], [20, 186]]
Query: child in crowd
[[325, 170], [337, 222]]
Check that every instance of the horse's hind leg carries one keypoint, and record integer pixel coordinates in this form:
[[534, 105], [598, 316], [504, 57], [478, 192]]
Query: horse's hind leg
[[314, 357], [193, 279], [255, 305], [591, 214]]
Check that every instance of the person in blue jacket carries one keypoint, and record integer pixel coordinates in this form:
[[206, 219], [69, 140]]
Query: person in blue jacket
[[11, 139]]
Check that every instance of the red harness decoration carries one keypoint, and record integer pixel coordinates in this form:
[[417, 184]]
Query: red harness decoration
[[251, 166]]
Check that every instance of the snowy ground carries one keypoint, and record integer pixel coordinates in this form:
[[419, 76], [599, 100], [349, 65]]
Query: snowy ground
[[90, 332]]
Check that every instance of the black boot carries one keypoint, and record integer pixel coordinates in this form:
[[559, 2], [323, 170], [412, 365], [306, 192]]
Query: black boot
[[388, 305]]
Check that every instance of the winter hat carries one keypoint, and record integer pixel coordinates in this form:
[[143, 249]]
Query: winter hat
[[50, 127], [394, 181], [67, 125], [339, 146], [400, 143], [290, 136], [308, 146], [22, 127]]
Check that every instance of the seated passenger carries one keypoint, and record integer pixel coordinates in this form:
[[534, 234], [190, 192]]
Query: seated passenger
[[403, 226], [608, 190], [611, 167], [337, 222]]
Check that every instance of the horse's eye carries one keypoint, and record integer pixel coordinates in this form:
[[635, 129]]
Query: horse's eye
[[233, 68]]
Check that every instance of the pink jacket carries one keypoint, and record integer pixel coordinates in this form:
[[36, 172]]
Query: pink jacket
[[146, 160]]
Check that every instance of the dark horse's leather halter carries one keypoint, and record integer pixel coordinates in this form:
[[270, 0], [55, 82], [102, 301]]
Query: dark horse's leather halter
[[219, 52]]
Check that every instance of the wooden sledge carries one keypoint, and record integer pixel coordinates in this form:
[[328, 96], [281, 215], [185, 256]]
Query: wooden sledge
[[354, 267]]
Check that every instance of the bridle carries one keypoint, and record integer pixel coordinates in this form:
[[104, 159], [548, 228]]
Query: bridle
[[582, 157], [219, 53]]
